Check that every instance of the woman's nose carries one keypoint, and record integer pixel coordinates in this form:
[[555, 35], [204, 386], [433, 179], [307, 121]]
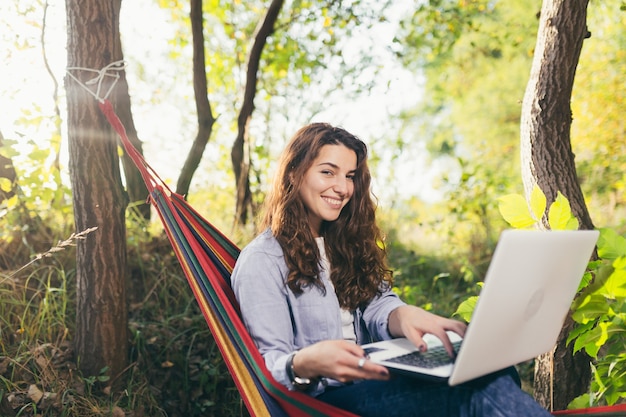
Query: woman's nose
[[341, 185]]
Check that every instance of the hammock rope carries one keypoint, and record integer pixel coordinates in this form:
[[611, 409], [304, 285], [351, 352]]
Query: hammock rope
[[207, 258]]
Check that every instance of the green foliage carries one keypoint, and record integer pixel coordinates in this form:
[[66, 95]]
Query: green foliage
[[600, 307], [598, 106], [600, 312], [476, 56], [434, 282], [40, 200], [39, 184]]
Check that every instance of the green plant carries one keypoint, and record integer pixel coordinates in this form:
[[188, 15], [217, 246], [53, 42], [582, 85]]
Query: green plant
[[599, 309], [600, 312], [91, 381]]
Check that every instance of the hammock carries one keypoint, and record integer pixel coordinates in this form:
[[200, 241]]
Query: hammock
[[207, 258]]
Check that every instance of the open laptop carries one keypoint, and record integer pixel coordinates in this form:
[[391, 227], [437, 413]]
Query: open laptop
[[528, 290]]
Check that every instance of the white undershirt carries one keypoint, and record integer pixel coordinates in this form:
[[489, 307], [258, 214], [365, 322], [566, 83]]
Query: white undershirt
[[347, 318]]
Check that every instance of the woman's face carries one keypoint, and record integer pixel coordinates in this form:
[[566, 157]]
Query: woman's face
[[328, 184]]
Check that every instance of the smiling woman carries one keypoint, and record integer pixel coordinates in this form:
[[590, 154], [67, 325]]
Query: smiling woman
[[314, 286]]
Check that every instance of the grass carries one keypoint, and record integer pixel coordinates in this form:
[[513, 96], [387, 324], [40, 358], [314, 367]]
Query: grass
[[176, 368]]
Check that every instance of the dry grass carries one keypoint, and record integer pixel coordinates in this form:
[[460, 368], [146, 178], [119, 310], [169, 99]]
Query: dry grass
[[176, 368]]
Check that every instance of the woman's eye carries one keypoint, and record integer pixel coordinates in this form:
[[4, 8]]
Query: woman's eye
[[350, 177]]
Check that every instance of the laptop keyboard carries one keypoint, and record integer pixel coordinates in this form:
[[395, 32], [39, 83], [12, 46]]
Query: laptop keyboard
[[432, 358]]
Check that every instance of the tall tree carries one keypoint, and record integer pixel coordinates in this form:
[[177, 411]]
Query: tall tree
[[240, 157], [548, 161], [98, 197], [203, 105]]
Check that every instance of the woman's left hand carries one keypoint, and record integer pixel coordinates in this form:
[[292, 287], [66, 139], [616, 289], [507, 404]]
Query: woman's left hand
[[413, 323]]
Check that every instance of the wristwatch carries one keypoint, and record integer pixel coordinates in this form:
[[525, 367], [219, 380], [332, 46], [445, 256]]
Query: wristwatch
[[301, 384]]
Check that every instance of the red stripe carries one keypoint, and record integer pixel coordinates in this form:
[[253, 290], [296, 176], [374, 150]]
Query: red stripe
[[604, 411]]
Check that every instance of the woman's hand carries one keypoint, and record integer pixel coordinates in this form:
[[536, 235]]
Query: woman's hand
[[336, 359], [413, 323]]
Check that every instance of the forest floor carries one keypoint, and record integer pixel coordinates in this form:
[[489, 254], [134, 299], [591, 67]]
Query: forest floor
[[175, 368]]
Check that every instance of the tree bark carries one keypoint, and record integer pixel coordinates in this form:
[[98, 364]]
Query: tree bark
[[239, 155], [98, 196], [548, 161], [203, 105]]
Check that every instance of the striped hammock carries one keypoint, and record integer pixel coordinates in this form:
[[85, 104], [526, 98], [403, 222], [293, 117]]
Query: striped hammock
[[207, 258]]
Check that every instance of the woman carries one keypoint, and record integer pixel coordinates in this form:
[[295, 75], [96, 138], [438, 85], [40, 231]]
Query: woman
[[314, 286]]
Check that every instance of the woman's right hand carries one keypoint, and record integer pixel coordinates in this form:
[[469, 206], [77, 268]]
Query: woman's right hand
[[336, 359]]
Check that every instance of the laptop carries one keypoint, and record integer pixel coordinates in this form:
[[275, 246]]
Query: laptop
[[528, 290]]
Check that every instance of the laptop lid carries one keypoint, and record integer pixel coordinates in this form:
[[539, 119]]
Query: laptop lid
[[529, 286]]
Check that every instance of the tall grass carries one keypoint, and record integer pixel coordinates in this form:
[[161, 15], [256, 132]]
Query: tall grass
[[175, 370]]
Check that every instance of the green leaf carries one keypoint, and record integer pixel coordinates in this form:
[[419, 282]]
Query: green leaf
[[466, 308], [514, 210], [587, 278], [594, 339], [579, 330], [581, 402], [572, 224], [12, 202], [9, 148], [560, 214], [592, 307], [615, 286], [610, 244]]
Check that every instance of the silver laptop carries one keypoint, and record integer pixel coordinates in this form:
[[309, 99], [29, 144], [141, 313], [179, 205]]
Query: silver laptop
[[529, 287]]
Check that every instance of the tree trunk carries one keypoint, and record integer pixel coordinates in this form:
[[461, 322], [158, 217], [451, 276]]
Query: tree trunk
[[548, 161], [203, 106], [98, 196], [239, 155]]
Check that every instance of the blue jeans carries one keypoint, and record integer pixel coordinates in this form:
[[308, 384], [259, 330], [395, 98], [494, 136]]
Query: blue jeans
[[495, 395]]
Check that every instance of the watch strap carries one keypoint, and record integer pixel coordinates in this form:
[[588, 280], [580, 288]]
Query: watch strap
[[298, 382]]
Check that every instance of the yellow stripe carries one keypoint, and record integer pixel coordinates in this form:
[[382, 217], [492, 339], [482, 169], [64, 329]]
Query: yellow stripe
[[232, 357]]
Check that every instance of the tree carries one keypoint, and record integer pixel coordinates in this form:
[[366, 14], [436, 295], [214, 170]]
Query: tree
[[548, 161], [458, 44], [262, 59], [240, 157], [98, 197], [203, 105]]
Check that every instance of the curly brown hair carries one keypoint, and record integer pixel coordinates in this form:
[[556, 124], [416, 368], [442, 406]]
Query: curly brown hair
[[354, 243]]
